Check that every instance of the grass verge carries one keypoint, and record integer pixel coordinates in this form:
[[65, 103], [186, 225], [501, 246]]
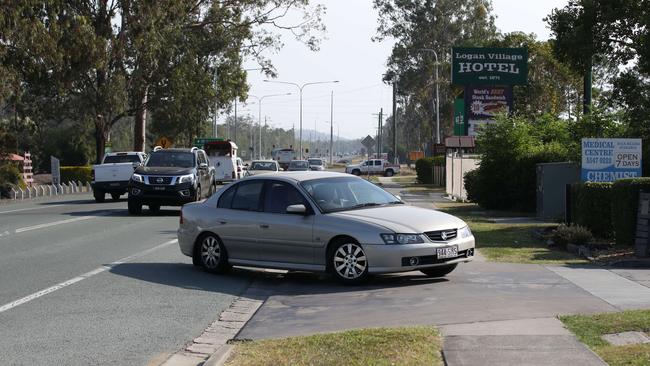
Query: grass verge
[[378, 346], [590, 328], [510, 242]]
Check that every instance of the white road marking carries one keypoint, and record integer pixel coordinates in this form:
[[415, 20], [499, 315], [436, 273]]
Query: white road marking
[[30, 209], [48, 224], [84, 276]]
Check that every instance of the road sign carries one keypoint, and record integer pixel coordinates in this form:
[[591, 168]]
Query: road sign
[[164, 142], [368, 142]]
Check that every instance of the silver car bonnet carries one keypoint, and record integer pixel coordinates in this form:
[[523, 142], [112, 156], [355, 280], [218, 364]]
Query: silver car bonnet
[[404, 219]]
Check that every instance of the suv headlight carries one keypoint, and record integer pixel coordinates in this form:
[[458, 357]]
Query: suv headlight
[[402, 238], [137, 178], [186, 179], [464, 232]]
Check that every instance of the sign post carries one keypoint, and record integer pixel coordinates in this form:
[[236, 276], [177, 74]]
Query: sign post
[[606, 160]]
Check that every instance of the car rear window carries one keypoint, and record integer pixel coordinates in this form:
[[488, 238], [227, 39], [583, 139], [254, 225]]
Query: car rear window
[[112, 159]]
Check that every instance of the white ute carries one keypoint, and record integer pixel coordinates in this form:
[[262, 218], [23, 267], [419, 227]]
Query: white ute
[[373, 166], [113, 174]]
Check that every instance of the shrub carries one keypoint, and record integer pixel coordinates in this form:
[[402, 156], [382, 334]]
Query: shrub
[[625, 200], [574, 234], [592, 207], [76, 173], [424, 168], [10, 177]]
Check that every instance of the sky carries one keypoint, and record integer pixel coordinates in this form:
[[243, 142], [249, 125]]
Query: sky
[[349, 56]]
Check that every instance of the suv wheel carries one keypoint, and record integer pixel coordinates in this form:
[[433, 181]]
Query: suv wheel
[[135, 207], [154, 208], [389, 173], [99, 195], [197, 197], [356, 172], [115, 196]]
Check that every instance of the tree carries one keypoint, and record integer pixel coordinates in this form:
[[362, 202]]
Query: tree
[[437, 25]]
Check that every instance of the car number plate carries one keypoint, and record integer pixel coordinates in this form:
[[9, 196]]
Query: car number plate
[[114, 184], [447, 252], [159, 188]]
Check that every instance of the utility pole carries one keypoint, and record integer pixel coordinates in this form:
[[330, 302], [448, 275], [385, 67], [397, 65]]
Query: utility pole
[[216, 101], [293, 135], [381, 112], [332, 128], [235, 123], [395, 158]]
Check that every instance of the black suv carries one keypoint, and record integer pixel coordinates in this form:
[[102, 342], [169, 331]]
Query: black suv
[[170, 177]]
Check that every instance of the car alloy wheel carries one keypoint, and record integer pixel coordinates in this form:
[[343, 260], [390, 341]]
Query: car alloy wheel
[[349, 262], [210, 253]]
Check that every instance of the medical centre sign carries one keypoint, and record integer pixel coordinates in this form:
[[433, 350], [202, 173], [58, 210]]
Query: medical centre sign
[[606, 160]]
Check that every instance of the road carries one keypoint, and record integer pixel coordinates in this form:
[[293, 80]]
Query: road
[[83, 283]]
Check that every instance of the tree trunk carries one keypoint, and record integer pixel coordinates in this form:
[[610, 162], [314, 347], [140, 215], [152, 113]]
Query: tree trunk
[[101, 136], [140, 128]]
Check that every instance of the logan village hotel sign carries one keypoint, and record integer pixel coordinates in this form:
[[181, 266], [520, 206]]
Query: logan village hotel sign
[[488, 75]]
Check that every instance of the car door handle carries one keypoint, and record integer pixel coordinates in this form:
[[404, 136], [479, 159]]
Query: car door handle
[[264, 226], [223, 222]]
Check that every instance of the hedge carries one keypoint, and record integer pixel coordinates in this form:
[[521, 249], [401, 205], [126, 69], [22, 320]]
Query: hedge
[[424, 168], [625, 200], [76, 173], [591, 205]]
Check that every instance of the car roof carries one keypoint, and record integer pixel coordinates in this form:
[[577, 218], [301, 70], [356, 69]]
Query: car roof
[[175, 149], [300, 176], [263, 161]]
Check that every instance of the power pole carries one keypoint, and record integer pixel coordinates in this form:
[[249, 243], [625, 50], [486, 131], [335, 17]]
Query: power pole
[[332, 128], [395, 158], [381, 112]]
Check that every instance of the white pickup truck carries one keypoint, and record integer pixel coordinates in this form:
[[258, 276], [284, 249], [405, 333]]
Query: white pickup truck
[[373, 166], [113, 174]]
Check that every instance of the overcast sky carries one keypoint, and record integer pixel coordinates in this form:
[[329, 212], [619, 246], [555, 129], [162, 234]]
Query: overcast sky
[[349, 55]]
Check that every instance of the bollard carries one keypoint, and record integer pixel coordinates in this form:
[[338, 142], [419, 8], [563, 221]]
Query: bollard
[[22, 193], [14, 193]]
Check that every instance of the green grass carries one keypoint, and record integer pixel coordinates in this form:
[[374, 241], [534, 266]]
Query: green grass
[[380, 346], [507, 242], [590, 328]]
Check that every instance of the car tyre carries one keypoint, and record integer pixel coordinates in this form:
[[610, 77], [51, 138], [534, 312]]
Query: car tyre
[[135, 207], [210, 253], [99, 195], [356, 172], [348, 263], [389, 173], [441, 271], [197, 197], [154, 208], [115, 196]]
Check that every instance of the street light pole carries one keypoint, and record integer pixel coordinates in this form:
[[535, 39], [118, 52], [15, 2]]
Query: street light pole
[[300, 88], [331, 127], [435, 54], [259, 117]]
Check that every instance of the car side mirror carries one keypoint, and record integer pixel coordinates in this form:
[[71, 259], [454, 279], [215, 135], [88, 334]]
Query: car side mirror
[[297, 209], [203, 166], [399, 197], [246, 165]]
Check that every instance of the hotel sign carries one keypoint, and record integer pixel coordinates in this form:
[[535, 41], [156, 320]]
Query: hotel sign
[[489, 66]]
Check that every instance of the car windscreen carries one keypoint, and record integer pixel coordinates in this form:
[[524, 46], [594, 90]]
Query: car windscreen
[[299, 164], [111, 159], [170, 159], [263, 165], [340, 194], [315, 162]]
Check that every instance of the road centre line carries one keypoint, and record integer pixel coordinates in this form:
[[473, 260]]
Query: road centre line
[[82, 277], [48, 224], [30, 209]]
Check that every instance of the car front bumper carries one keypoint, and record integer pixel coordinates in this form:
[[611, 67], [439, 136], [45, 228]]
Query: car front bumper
[[164, 195], [383, 258]]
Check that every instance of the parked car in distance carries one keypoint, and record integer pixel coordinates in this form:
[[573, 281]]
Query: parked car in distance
[[344, 161], [171, 177], [322, 222], [257, 167], [298, 165], [113, 174], [373, 166], [317, 164]]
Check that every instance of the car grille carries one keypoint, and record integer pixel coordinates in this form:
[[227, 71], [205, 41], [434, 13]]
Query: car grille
[[159, 180], [442, 235]]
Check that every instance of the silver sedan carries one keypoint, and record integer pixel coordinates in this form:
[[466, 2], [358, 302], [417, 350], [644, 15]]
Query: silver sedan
[[323, 222]]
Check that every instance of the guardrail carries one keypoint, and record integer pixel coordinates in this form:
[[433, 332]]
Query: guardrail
[[50, 190]]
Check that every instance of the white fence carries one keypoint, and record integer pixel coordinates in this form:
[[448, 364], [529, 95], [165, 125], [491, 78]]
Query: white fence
[[457, 166], [49, 190]]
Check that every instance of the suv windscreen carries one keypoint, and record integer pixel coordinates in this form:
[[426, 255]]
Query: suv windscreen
[[111, 159], [315, 162], [263, 165], [300, 164], [170, 159]]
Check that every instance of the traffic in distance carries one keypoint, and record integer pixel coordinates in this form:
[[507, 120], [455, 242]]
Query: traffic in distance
[[285, 213]]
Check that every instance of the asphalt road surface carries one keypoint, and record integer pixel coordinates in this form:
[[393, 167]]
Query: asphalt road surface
[[83, 283]]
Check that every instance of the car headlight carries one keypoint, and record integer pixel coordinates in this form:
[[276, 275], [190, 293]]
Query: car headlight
[[186, 179], [464, 232], [137, 178], [402, 238]]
